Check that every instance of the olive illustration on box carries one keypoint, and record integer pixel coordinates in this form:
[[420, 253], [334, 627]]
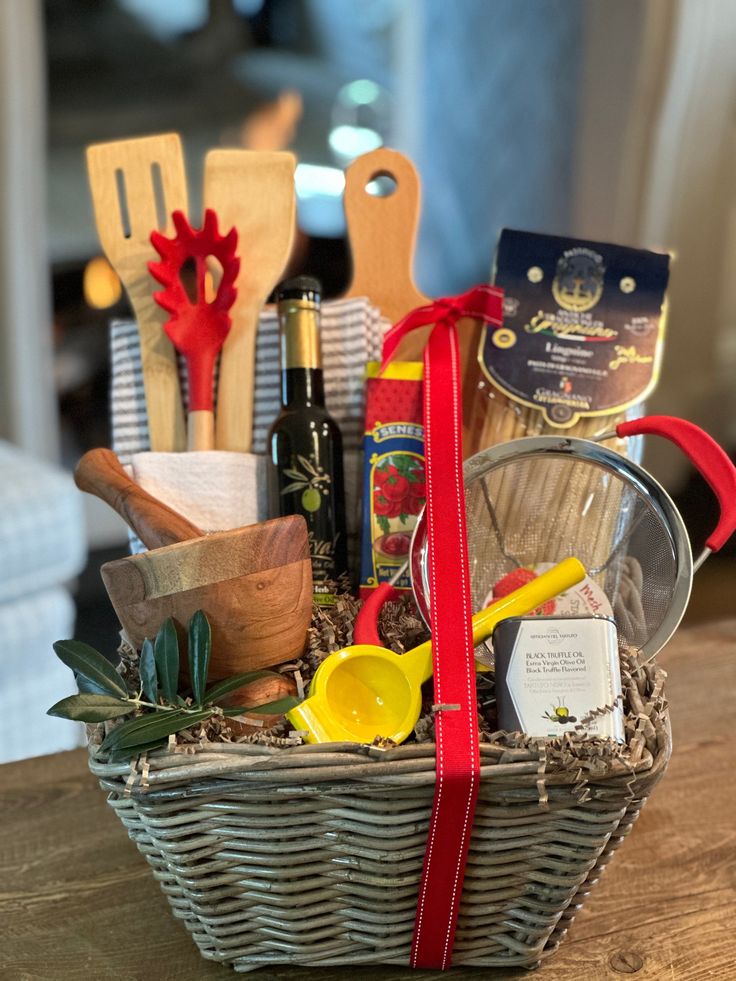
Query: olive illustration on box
[[311, 480], [560, 713], [398, 495]]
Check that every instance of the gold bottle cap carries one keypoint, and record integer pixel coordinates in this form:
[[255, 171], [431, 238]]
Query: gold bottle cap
[[299, 329]]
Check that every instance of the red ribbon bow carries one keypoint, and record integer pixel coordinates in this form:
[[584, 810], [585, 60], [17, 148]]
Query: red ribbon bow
[[456, 723], [481, 302]]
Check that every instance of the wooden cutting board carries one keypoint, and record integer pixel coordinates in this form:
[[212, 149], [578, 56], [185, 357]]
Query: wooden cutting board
[[254, 584], [382, 232]]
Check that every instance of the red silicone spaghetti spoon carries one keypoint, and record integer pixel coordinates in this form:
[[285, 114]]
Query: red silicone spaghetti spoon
[[197, 328]]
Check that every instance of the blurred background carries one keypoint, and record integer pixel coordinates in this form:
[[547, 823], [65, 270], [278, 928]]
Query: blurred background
[[608, 119]]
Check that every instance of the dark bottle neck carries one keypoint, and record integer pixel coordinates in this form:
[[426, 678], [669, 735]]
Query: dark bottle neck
[[302, 386]]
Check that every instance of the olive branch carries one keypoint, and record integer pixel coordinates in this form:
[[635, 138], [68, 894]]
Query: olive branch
[[157, 708]]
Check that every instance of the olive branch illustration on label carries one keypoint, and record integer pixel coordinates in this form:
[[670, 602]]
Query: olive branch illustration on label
[[313, 482]]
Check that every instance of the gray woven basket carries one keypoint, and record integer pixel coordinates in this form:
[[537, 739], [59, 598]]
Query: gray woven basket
[[312, 855]]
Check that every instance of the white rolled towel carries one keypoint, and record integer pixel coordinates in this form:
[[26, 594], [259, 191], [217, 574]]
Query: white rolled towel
[[215, 489]]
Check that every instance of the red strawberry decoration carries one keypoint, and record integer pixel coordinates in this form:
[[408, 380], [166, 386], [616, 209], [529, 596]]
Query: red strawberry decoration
[[515, 580]]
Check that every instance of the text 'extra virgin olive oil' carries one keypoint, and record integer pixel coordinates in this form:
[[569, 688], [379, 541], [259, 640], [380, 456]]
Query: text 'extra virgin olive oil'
[[305, 469]]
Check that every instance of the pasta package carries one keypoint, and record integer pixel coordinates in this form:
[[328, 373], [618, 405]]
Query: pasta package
[[581, 343]]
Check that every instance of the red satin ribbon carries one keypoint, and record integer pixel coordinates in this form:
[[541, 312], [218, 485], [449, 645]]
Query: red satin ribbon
[[456, 726]]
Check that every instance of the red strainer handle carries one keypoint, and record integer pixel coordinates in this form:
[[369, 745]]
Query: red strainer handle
[[365, 628], [711, 462]]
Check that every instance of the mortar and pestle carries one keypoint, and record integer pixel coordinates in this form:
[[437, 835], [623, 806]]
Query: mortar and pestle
[[254, 583]]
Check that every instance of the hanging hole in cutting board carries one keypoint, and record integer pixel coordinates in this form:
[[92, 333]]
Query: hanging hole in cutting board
[[381, 185], [162, 214], [123, 202]]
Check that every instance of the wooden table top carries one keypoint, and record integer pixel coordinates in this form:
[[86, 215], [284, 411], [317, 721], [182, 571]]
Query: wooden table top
[[77, 900]]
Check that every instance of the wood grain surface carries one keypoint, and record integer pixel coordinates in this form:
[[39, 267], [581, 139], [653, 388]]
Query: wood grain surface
[[252, 191], [253, 583], [123, 178], [99, 472], [78, 902]]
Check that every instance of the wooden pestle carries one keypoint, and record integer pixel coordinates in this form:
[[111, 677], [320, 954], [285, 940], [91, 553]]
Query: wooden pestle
[[99, 472]]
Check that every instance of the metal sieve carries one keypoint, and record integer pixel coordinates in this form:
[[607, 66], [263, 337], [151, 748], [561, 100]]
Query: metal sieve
[[536, 500]]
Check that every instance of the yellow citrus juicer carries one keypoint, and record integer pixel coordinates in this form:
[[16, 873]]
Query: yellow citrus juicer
[[364, 691]]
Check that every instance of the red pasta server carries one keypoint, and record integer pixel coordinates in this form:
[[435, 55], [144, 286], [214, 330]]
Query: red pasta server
[[197, 327]]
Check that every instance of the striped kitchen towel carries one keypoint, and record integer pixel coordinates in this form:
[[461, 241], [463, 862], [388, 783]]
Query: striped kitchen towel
[[352, 334]]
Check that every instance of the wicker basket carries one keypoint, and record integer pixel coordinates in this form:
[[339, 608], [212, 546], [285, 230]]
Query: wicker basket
[[312, 855]]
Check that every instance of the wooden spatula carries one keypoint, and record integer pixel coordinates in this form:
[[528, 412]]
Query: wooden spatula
[[136, 185], [99, 472], [382, 233], [254, 192], [253, 583]]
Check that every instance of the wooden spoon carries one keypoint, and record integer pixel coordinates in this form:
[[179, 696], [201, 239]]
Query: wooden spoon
[[254, 192], [136, 185], [99, 472]]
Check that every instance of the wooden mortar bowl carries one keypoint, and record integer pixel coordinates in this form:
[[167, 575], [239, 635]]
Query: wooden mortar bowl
[[254, 584]]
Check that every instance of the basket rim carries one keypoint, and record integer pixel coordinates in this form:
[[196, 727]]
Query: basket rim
[[413, 764]]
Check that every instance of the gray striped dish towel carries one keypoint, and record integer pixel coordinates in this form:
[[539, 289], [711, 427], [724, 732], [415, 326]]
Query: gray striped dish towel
[[352, 334]]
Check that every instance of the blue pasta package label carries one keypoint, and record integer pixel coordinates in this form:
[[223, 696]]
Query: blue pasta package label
[[583, 325]]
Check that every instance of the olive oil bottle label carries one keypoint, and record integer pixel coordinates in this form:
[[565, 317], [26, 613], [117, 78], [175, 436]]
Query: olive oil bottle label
[[311, 491], [583, 325]]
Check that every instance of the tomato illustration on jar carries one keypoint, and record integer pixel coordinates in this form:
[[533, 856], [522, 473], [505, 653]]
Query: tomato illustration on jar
[[398, 493]]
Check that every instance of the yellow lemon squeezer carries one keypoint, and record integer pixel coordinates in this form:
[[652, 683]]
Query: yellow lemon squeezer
[[364, 691]]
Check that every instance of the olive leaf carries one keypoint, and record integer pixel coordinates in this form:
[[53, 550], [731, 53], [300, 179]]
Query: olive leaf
[[147, 669], [200, 643], [297, 485], [90, 708], [117, 755], [103, 694], [308, 465], [151, 727], [166, 655], [160, 725], [86, 686], [277, 707], [139, 723], [85, 660], [236, 681]]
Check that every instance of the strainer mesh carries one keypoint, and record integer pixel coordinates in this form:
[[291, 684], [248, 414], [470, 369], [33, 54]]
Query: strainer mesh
[[542, 508]]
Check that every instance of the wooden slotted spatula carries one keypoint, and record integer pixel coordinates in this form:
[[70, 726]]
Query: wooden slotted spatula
[[254, 192], [136, 185]]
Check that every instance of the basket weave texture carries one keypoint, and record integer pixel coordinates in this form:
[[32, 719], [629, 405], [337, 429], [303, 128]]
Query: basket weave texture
[[312, 855]]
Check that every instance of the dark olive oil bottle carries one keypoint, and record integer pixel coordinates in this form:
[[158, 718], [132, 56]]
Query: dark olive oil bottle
[[305, 469]]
